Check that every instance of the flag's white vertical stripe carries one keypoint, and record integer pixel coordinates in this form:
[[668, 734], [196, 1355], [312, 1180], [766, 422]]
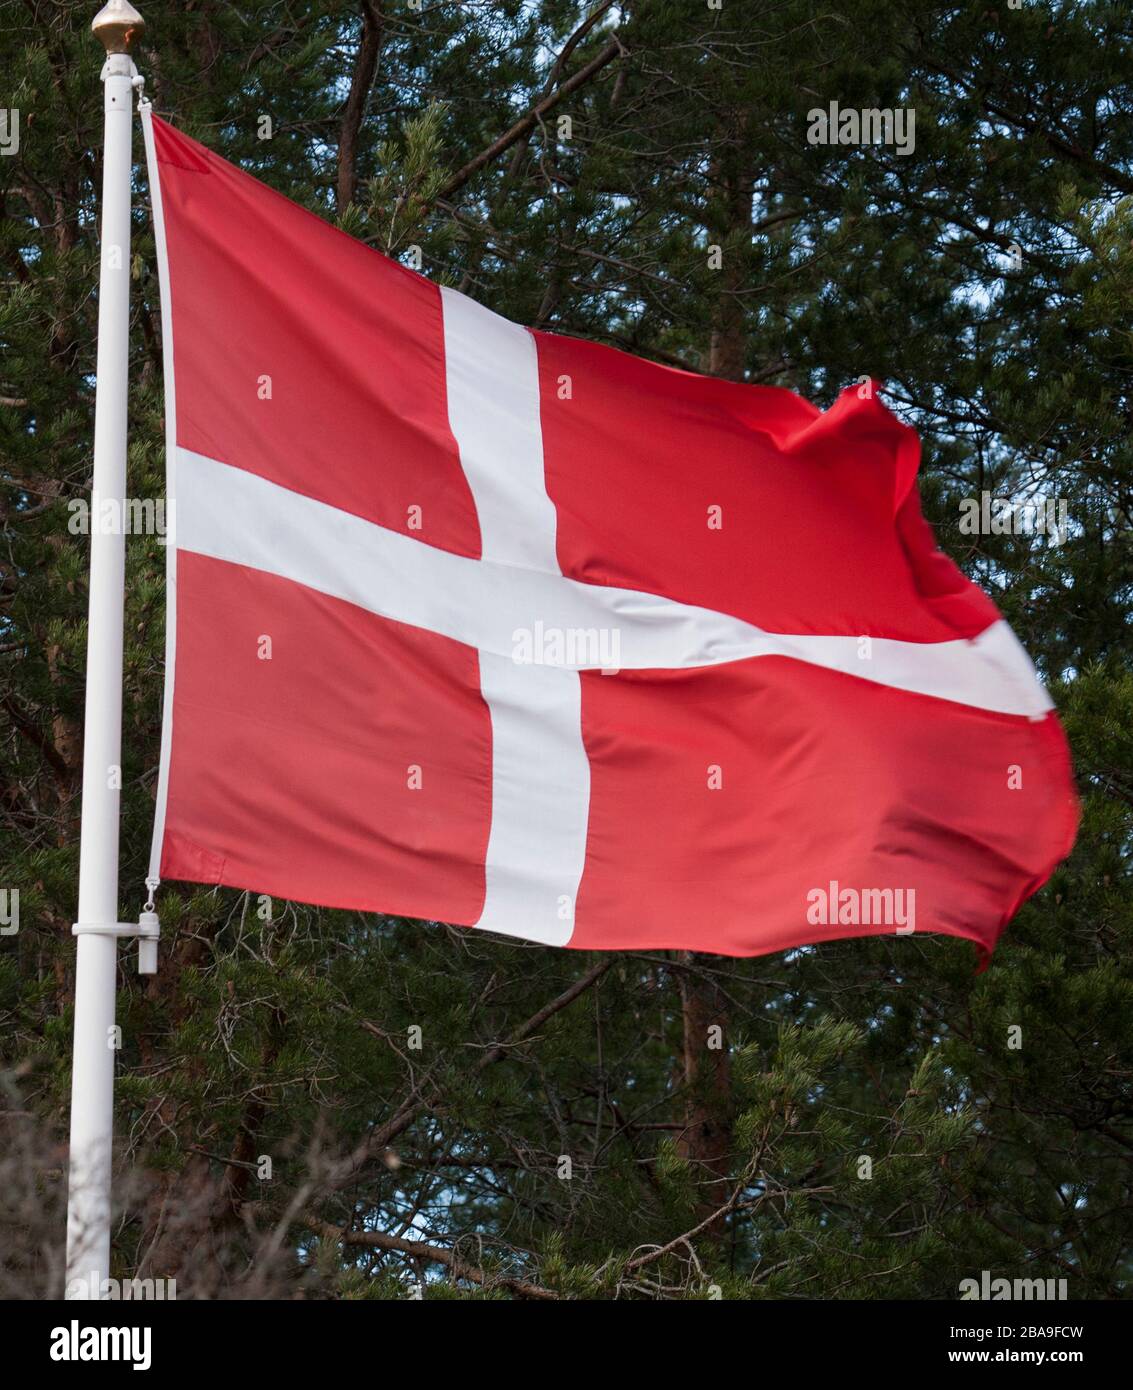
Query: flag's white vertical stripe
[[540, 799], [166, 294], [540, 772], [492, 376]]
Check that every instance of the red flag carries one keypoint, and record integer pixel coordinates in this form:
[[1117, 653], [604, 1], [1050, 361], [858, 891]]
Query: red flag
[[509, 630]]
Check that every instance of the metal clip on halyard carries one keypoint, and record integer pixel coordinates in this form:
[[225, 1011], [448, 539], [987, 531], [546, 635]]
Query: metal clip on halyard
[[147, 929]]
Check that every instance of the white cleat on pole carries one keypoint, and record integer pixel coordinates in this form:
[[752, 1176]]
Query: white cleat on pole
[[117, 26]]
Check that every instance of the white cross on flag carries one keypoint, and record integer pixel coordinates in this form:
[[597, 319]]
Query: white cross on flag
[[504, 629]]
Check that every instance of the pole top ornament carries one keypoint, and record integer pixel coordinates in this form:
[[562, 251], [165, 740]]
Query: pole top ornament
[[117, 26]]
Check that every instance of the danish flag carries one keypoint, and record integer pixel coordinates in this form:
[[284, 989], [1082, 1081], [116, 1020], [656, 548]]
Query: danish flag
[[504, 629]]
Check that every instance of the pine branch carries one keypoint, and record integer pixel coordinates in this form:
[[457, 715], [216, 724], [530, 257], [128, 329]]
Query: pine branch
[[460, 1269], [613, 49]]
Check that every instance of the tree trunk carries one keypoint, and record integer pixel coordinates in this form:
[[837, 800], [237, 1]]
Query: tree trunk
[[365, 66], [706, 1140], [730, 220]]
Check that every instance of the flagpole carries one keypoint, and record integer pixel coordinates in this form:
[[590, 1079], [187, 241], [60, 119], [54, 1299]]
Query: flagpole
[[97, 930]]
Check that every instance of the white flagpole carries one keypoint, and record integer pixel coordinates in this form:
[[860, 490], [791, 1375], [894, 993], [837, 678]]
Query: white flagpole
[[97, 930]]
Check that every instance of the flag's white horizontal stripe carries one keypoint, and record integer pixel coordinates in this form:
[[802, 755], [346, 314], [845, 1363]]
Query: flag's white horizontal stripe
[[991, 671], [234, 515], [540, 771]]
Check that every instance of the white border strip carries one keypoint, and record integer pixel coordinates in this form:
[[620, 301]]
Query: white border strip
[[170, 490]]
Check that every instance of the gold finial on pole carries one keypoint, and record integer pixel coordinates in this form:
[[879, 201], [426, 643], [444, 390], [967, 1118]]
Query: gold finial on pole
[[117, 26]]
